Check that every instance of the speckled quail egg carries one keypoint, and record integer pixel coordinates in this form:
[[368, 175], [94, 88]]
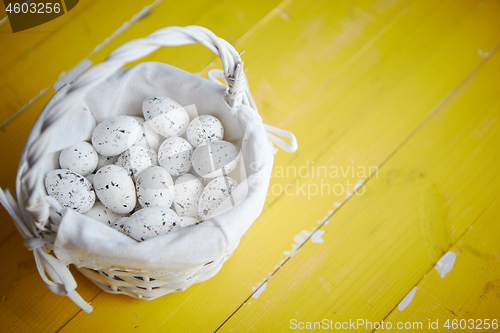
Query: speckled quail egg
[[148, 223], [174, 155], [155, 187], [214, 194], [70, 189], [115, 189], [114, 135], [148, 137], [102, 214], [215, 159], [136, 159], [80, 158], [105, 160], [186, 221], [204, 128], [90, 178], [188, 189], [165, 116]]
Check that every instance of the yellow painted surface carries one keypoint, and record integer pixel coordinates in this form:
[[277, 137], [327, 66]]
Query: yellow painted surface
[[403, 86], [470, 291], [15, 47], [63, 47], [381, 244]]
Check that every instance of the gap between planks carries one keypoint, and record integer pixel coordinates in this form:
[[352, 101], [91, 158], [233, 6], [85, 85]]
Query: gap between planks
[[139, 15], [349, 195], [449, 249], [125, 26], [77, 313], [261, 22]]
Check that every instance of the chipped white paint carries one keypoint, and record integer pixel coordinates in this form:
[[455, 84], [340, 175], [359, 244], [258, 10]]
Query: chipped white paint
[[407, 300], [259, 289], [67, 77], [143, 12], [299, 239], [359, 184], [325, 218], [316, 237], [485, 54], [283, 15], [374, 172], [445, 264]]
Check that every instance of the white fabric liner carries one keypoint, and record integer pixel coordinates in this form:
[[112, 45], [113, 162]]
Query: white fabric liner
[[88, 243]]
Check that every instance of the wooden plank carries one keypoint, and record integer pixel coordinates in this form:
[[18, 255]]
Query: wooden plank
[[85, 32], [244, 15], [227, 20], [352, 98], [12, 138], [27, 305], [40, 67], [49, 307], [355, 116], [469, 291], [16, 46], [380, 244]]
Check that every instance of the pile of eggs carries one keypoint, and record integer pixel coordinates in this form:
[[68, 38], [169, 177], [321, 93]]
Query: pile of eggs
[[148, 176]]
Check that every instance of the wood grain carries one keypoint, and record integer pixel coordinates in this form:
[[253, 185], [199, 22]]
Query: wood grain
[[382, 243], [404, 87]]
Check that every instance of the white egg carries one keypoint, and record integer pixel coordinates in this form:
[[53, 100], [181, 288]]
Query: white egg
[[204, 128], [215, 159], [165, 116], [174, 155], [203, 180], [148, 137], [186, 221], [214, 194], [136, 159], [80, 158], [155, 187], [115, 189], [148, 223], [114, 135], [90, 178], [104, 215], [70, 189], [188, 189], [105, 160]]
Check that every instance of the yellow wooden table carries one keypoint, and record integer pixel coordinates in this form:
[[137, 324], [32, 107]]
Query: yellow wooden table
[[396, 107]]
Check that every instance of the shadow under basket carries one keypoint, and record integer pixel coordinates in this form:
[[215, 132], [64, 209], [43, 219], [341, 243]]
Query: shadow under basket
[[116, 263]]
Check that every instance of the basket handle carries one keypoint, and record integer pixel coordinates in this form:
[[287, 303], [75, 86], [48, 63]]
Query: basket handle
[[130, 51]]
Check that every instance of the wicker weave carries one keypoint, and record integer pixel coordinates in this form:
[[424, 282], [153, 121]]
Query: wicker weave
[[38, 218], [140, 284]]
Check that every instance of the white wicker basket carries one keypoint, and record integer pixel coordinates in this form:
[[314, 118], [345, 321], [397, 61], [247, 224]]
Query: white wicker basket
[[46, 226]]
